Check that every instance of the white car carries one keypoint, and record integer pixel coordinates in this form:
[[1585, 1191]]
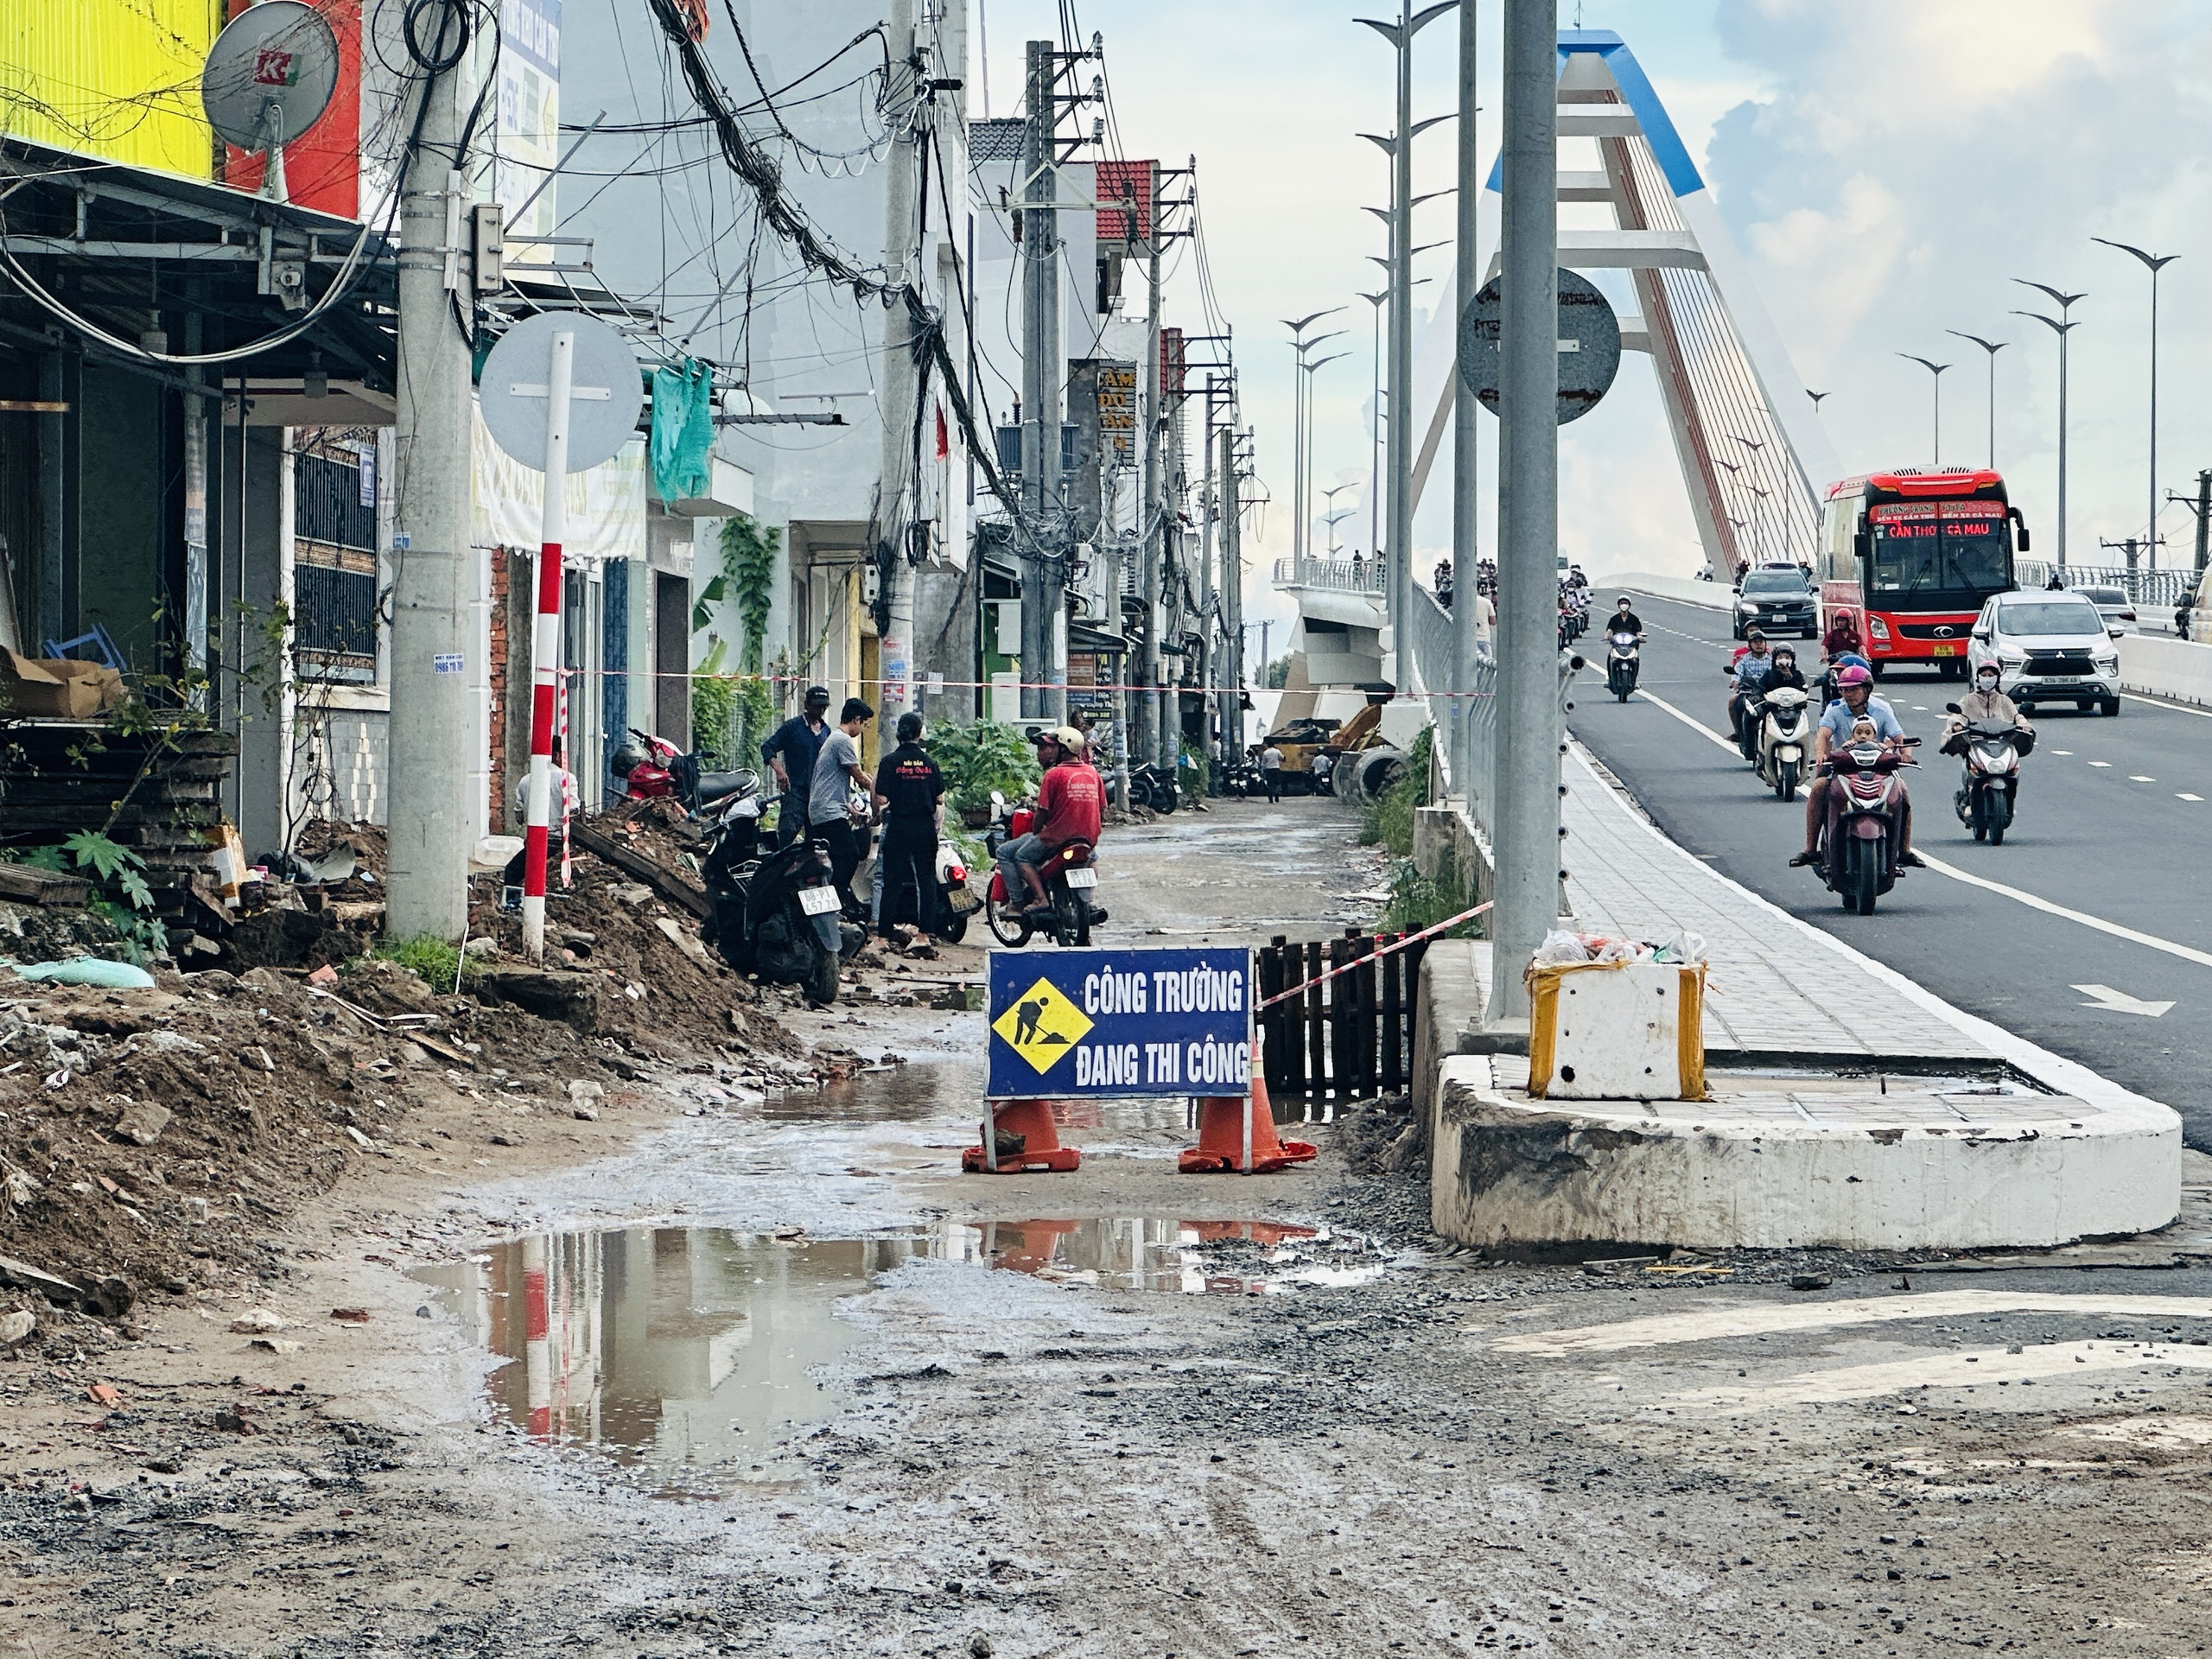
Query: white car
[[2114, 605], [2049, 647]]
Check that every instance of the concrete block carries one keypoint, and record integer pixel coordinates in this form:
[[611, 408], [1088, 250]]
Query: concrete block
[[1780, 1163], [2159, 667]]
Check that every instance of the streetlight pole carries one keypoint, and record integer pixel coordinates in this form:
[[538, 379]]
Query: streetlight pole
[[1399, 145], [1297, 346], [1525, 826], [1374, 438], [1936, 370], [1304, 505], [1468, 634], [2061, 327], [2153, 263], [1993, 346]]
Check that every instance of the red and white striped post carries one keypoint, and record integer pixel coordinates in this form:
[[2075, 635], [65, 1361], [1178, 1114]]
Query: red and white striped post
[[545, 644]]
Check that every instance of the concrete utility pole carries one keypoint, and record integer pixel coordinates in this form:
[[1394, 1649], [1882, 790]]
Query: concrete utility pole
[[1399, 448], [1171, 489], [895, 493], [1231, 678], [434, 823], [1527, 822], [1042, 542], [1467, 632], [1152, 515], [2203, 519]]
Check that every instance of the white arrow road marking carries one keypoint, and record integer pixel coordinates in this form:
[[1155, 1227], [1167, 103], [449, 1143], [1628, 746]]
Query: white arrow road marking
[[2120, 1001], [2034, 901], [1694, 723]]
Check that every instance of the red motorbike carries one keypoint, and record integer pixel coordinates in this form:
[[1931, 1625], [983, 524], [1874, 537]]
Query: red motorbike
[[650, 765], [1070, 879], [1865, 820]]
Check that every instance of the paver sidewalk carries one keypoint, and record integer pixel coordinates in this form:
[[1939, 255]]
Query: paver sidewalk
[[1771, 988]]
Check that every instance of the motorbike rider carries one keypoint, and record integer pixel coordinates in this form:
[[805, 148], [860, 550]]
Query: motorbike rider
[[1842, 638], [1855, 702], [1625, 618], [1785, 672], [1071, 806], [1751, 673], [1983, 706]]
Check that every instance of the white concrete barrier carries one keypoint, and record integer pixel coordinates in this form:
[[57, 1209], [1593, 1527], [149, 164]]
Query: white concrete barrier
[[2161, 667], [1716, 595]]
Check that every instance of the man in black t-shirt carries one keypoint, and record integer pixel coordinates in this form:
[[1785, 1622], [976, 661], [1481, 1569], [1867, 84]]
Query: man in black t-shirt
[[910, 800]]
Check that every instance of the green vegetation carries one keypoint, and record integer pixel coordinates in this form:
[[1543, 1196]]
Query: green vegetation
[[1196, 776], [121, 896], [978, 759], [1388, 818], [1418, 901], [1278, 673], [748, 570], [435, 961], [730, 713]]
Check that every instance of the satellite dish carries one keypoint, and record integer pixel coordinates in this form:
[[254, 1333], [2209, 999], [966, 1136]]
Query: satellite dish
[[606, 390], [271, 76]]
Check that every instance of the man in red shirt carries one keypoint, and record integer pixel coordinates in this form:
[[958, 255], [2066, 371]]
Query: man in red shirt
[[1071, 806]]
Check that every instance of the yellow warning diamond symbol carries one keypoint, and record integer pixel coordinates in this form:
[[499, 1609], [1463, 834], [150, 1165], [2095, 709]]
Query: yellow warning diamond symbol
[[1043, 1026]]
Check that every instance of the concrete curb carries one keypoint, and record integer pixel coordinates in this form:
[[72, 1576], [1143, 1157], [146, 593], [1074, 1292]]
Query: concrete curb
[[2159, 667], [1708, 1175]]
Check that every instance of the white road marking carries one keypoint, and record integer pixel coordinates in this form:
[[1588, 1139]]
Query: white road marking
[[1756, 1318], [2036, 902], [2062, 752], [2178, 708], [2184, 795], [2054, 1361], [2138, 778], [2107, 764], [1695, 724], [2119, 1002]]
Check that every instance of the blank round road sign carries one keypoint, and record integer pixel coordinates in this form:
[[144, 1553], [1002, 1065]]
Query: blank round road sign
[[606, 390], [1589, 346]]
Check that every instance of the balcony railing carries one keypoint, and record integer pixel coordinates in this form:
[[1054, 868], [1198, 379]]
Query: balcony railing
[[1352, 575]]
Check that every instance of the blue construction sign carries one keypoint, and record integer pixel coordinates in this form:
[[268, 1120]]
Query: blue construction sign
[[1065, 1024]]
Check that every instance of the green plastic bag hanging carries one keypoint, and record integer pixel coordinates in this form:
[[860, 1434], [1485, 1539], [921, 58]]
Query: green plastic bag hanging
[[683, 429]]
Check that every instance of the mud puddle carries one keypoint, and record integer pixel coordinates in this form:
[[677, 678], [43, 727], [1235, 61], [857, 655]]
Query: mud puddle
[[689, 1357]]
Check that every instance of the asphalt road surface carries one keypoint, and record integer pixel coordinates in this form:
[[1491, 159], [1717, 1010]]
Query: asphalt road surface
[[2100, 882]]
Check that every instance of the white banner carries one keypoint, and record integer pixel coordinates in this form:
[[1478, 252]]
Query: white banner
[[606, 505]]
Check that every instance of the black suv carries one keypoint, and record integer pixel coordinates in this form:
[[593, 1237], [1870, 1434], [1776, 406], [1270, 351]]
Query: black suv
[[1777, 602]]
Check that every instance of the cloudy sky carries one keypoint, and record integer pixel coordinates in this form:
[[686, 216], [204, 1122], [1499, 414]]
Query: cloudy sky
[[1886, 165]]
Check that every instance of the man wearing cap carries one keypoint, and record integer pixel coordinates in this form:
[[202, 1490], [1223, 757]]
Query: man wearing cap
[[790, 752], [1071, 806]]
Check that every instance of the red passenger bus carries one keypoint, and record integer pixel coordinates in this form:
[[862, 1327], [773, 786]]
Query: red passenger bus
[[1912, 554]]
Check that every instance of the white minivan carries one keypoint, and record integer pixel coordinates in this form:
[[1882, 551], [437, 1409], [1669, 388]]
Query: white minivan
[[2048, 646]]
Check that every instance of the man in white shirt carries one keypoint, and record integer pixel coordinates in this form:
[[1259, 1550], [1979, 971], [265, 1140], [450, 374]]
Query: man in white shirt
[[1271, 772]]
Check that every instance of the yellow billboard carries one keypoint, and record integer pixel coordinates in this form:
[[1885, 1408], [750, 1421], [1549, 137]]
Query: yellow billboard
[[115, 79]]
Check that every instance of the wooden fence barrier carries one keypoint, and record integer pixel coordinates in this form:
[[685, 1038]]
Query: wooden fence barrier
[[1348, 1037]]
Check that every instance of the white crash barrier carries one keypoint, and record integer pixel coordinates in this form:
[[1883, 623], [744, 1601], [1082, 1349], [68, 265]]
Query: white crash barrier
[[2159, 667]]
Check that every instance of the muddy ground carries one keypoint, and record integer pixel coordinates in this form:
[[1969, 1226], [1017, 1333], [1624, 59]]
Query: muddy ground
[[769, 1379]]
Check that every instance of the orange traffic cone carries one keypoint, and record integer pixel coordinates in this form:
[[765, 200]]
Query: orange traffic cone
[[1026, 1138], [1222, 1136]]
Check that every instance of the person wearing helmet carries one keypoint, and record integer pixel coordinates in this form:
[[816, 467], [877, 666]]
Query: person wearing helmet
[[1751, 671], [1785, 672], [1855, 703], [1071, 806], [1625, 618]]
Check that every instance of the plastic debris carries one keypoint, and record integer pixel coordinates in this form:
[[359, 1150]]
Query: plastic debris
[[89, 970]]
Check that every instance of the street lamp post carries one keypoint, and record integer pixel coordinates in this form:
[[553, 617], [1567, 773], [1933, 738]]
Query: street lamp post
[[1936, 370], [1304, 503], [1297, 345], [1374, 438], [2153, 263], [1993, 346], [1399, 145], [2063, 324]]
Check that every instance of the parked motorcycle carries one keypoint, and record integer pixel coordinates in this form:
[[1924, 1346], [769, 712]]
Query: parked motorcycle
[[777, 916], [1623, 664], [650, 765], [1785, 736], [955, 899], [1861, 859], [1070, 879], [1990, 752], [1153, 786]]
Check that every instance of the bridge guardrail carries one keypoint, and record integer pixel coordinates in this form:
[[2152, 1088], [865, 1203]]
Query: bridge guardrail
[[1354, 575]]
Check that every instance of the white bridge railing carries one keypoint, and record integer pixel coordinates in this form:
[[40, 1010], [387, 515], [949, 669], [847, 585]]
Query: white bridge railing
[[1336, 575]]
